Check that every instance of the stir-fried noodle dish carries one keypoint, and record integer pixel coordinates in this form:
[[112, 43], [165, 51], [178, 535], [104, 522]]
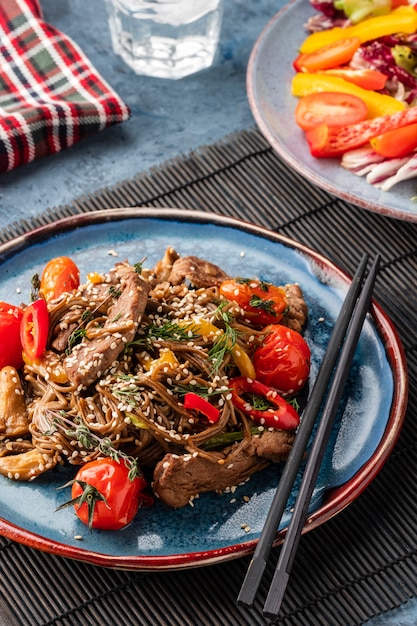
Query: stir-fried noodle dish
[[180, 369]]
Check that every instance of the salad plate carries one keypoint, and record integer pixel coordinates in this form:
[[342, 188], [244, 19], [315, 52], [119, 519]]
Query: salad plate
[[269, 76], [218, 526]]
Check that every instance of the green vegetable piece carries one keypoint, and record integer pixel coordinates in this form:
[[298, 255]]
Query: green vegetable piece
[[358, 10], [405, 57]]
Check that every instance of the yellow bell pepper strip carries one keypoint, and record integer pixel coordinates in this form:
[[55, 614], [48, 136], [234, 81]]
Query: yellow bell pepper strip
[[207, 329], [49, 366], [377, 104], [276, 413], [197, 403], [166, 359], [401, 20]]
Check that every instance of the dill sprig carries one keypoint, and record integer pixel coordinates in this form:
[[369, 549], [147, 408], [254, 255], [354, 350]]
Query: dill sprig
[[224, 342], [265, 305], [168, 331], [201, 390], [75, 337], [80, 432]]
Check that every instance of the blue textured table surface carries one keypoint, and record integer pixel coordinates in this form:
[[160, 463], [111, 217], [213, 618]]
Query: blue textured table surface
[[168, 118]]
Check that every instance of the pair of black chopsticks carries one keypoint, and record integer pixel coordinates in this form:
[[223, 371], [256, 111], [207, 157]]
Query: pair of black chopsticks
[[337, 361]]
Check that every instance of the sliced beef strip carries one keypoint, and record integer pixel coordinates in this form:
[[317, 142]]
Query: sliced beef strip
[[177, 479], [91, 358], [296, 316], [199, 272]]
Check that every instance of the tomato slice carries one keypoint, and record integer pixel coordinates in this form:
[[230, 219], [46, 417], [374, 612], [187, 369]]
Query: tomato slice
[[331, 108], [366, 78], [11, 346], [34, 329], [327, 142], [332, 55], [396, 143], [59, 276]]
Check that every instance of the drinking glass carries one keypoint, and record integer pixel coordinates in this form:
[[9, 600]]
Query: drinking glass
[[165, 38]]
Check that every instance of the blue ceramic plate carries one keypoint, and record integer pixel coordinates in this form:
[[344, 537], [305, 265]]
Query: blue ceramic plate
[[269, 76], [211, 530]]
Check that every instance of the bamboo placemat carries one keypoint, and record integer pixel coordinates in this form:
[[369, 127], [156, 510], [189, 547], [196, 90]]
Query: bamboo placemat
[[361, 563]]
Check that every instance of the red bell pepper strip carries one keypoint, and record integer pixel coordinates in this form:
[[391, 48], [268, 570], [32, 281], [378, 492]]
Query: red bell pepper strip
[[326, 142], [194, 401], [280, 415], [34, 329]]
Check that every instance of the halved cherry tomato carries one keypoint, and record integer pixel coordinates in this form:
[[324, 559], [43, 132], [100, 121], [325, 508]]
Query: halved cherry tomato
[[326, 142], [247, 394], [261, 302], [283, 360], [200, 404], [331, 108], [34, 329], [104, 496], [366, 78], [332, 55], [396, 143], [59, 276], [10, 343]]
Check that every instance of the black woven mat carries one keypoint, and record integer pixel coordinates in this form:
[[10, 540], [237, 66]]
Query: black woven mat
[[361, 563]]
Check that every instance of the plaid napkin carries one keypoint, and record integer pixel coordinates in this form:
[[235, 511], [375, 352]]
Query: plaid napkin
[[50, 94]]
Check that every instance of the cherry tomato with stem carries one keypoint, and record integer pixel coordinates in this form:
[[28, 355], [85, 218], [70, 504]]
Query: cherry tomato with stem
[[396, 143], [105, 496], [261, 302], [60, 275], [10, 342], [283, 360], [331, 55], [331, 108], [34, 329]]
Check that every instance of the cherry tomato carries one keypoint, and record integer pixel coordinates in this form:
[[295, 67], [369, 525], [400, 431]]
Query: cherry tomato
[[10, 343], [283, 360], [331, 108], [328, 142], [366, 78], [34, 329], [332, 55], [103, 495], [59, 276], [261, 302], [396, 143], [263, 404]]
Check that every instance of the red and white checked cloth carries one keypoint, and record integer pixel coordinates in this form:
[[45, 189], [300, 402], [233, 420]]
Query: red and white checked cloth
[[50, 94]]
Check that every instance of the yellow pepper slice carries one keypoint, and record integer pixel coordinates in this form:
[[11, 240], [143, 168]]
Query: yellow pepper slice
[[401, 20], [49, 366], [166, 358], [377, 104], [207, 329]]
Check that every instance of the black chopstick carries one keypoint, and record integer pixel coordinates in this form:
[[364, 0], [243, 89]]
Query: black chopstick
[[257, 565], [292, 538]]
